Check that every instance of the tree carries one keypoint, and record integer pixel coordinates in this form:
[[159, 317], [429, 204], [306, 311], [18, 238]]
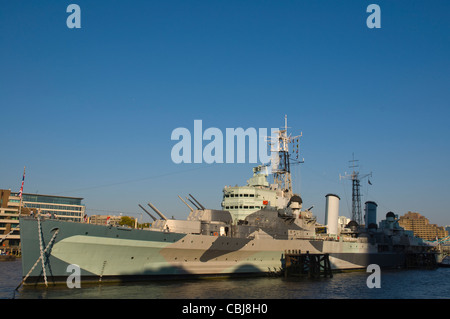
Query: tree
[[126, 221]]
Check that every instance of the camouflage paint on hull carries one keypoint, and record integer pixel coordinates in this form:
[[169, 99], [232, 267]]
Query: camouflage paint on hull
[[112, 253]]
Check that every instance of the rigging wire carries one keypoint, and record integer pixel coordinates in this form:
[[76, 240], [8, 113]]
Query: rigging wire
[[132, 181], [346, 198], [110, 211], [127, 182]]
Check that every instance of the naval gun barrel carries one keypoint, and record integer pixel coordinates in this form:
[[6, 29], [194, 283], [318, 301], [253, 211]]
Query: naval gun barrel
[[157, 211], [191, 209], [193, 203], [153, 217], [203, 207]]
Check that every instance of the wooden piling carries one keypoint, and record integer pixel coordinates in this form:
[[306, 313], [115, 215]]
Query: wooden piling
[[311, 265], [423, 260]]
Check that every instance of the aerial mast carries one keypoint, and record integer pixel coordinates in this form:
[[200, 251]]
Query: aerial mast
[[356, 186], [281, 167]]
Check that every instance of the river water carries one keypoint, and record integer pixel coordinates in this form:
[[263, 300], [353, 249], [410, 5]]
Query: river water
[[395, 284]]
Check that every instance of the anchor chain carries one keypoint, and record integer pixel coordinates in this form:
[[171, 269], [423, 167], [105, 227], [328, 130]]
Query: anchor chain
[[41, 257], [41, 250]]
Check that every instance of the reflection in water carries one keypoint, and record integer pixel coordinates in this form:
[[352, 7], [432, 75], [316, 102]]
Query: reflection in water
[[394, 284], [412, 284]]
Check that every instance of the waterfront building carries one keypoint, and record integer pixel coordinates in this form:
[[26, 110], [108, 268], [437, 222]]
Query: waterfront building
[[9, 222], [105, 220], [421, 226], [61, 207], [113, 220]]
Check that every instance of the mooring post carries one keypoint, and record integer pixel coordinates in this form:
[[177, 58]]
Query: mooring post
[[287, 262]]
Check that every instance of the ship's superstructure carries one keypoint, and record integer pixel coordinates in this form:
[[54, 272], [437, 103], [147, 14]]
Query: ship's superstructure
[[242, 201], [259, 223]]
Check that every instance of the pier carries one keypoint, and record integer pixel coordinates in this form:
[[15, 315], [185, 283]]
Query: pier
[[424, 260], [311, 265]]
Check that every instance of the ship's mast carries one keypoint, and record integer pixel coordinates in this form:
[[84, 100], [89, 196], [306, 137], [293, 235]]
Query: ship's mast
[[280, 162], [356, 196]]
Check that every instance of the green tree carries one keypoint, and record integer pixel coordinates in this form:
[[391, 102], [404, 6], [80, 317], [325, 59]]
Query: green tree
[[126, 221]]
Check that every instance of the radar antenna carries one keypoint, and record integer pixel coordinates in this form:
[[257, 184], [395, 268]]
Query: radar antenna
[[280, 161]]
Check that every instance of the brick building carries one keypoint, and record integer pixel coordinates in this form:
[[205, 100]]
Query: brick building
[[421, 226]]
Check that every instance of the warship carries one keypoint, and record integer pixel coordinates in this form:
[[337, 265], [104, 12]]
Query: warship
[[250, 235]]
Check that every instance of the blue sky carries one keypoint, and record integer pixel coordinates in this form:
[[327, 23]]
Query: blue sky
[[90, 111]]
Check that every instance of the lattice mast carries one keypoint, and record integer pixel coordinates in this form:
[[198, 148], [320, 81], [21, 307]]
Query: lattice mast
[[281, 161], [356, 186]]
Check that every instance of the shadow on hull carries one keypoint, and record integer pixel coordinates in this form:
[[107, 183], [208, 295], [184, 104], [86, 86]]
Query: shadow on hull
[[166, 273]]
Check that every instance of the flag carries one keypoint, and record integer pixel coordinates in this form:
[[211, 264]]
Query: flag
[[369, 182], [21, 188]]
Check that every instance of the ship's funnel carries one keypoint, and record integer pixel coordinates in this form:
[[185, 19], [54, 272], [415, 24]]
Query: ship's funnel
[[371, 215], [332, 213]]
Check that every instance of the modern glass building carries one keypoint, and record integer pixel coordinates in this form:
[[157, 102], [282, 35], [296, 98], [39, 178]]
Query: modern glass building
[[61, 207]]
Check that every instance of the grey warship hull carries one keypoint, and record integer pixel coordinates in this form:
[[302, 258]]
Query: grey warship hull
[[258, 225], [106, 253]]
